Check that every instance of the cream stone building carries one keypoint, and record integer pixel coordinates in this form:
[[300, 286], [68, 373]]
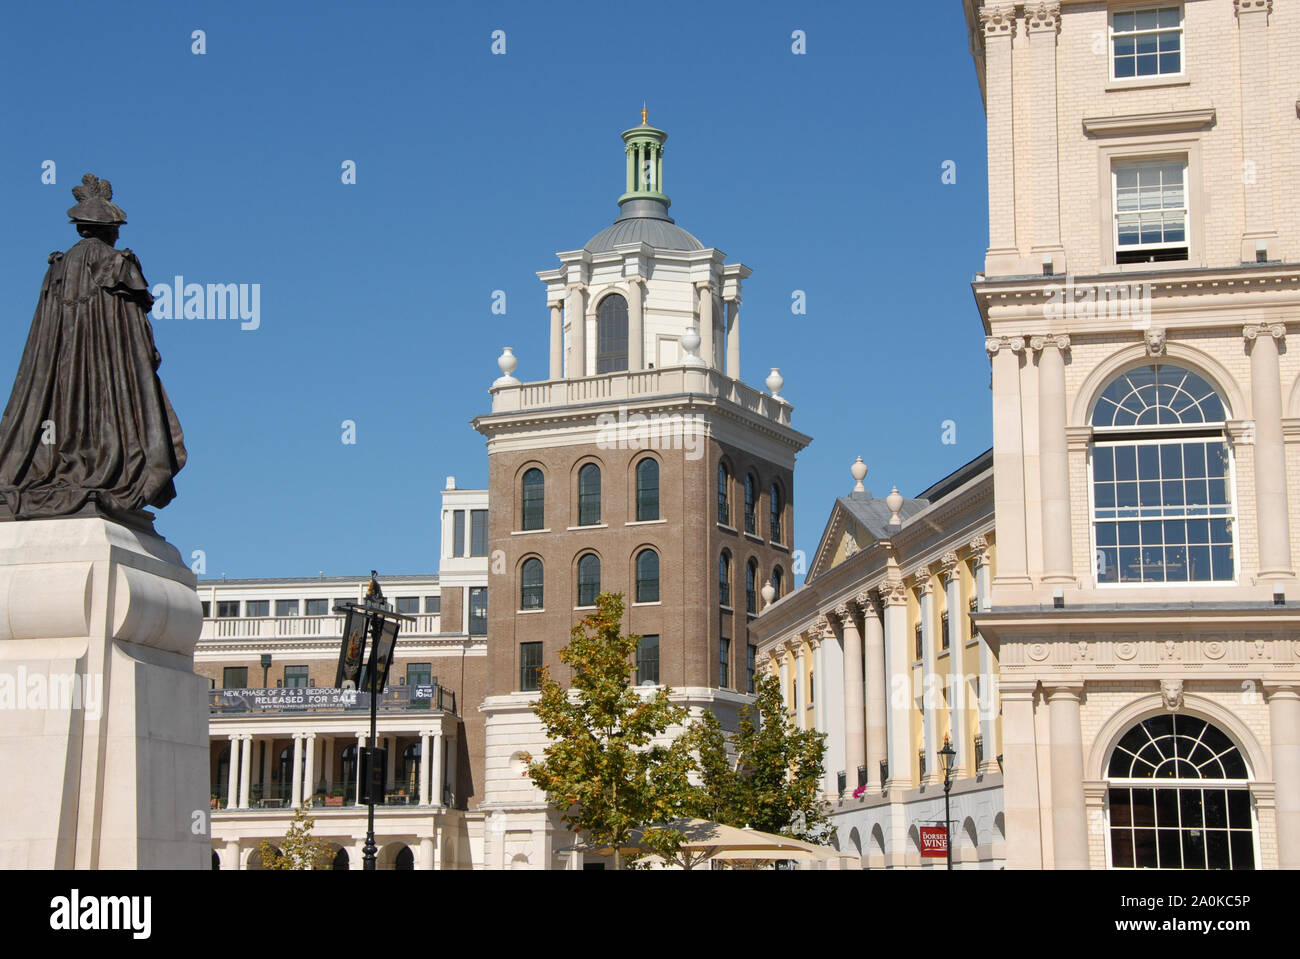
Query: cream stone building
[[1140, 285], [877, 651]]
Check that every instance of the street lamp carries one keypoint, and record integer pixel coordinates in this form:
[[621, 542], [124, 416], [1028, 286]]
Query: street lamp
[[947, 756], [374, 618]]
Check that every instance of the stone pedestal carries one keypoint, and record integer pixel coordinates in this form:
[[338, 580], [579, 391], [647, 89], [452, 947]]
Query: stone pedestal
[[103, 722]]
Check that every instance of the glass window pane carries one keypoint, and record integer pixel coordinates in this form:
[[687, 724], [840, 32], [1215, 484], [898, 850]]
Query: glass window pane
[[1144, 807], [1243, 850]]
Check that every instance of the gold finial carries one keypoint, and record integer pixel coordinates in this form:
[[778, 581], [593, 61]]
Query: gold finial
[[645, 115]]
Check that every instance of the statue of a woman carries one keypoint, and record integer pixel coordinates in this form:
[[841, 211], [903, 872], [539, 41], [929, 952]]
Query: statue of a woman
[[88, 428]]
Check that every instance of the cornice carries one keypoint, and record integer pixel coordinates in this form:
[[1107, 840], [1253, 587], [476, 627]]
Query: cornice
[[1170, 121]]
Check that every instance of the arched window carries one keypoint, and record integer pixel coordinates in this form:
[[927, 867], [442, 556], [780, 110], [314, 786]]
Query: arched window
[[724, 501], [647, 576], [588, 579], [751, 591], [531, 581], [776, 582], [611, 334], [534, 499], [1161, 480], [751, 502], [647, 489], [775, 505], [724, 579], [1179, 798], [589, 495]]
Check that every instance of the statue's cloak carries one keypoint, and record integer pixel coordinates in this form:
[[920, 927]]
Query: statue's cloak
[[88, 421]]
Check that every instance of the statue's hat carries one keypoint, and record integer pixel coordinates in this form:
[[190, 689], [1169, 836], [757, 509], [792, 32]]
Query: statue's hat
[[93, 202]]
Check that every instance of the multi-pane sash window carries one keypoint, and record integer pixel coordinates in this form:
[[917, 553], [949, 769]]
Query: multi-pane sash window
[[647, 576], [611, 334], [227, 609], [774, 502], [478, 540], [534, 499], [433, 604], [1146, 43], [410, 605], [724, 501], [419, 674], [531, 581], [943, 631], [286, 607], [920, 642], [321, 607], [724, 580], [1150, 211], [751, 495], [530, 666], [295, 675], [589, 495], [647, 661], [777, 578], [751, 660], [257, 607], [478, 611], [751, 590], [724, 663], [234, 677], [458, 532], [647, 490], [1161, 480], [588, 579]]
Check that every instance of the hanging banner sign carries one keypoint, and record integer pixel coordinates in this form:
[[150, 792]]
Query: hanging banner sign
[[934, 842]]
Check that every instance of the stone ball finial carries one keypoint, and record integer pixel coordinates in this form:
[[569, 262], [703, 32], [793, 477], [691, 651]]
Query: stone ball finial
[[506, 363], [859, 471], [769, 594], [895, 502], [774, 382]]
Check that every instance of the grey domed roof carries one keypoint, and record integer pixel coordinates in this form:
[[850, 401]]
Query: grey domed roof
[[643, 221]]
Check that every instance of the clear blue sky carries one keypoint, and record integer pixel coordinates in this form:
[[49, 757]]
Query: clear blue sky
[[821, 172]]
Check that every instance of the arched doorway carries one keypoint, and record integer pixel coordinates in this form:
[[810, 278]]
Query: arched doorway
[[1179, 798], [405, 859], [340, 859], [216, 860]]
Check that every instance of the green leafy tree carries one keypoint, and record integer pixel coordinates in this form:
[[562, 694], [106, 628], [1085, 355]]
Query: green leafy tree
[[607, 766], [774, 783], [299, 849]]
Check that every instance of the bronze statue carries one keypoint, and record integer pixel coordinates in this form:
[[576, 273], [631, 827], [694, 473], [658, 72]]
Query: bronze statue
[[89, 429]]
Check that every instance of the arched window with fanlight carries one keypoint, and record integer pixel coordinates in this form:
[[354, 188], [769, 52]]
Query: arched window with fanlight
[[777, 582], [724, 580], [589, 495], [588, 579], [611, 334], [531, 583], [647, 576], [647, 490], [1178, 797], [1162, 487], [751, 587], [724, 495], [775, 505], [534, 499], [751, 504]]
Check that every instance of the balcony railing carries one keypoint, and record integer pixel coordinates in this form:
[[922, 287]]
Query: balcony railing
[[862, 776], [841, 781], [920, 755], [276, 795], [979, 751], [272, 627], [328, 699]]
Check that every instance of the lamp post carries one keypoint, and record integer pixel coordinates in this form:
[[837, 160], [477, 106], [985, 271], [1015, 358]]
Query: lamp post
[[374, 618], [946, 757]]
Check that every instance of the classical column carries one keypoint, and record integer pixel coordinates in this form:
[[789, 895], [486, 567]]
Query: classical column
[[818, 676], [424, 767], [1053, 458], [987, 702], [232, 777], [930, 694], [361, 745], [854, 735], [1042, 24], [1256, 129], [1069, 821], [801, 683], [575, 308], [898, 736], [1020, 799], [999, 23], [426, 853], [436, 765], [230, 858], [877, 721], [1284, 731], [245, 769], [1008, 461], [635, 324], [1270, 456], [705, 313], [830, 694], [309, 774], [951, 574], [733, 338], [296, 795], [786, 696], [557, 339]]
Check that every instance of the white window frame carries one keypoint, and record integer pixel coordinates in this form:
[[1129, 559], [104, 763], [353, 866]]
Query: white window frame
[[1234, 784], [1115, 213], [1182, 42]]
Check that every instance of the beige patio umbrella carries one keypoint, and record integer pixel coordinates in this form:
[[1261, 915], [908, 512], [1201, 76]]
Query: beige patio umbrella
[[705, 841]]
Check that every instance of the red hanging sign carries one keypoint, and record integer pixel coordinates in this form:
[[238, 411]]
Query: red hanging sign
[[934, 842]]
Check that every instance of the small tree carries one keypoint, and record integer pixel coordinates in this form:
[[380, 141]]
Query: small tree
[[606, 767], [774, 784], [299, 849]]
